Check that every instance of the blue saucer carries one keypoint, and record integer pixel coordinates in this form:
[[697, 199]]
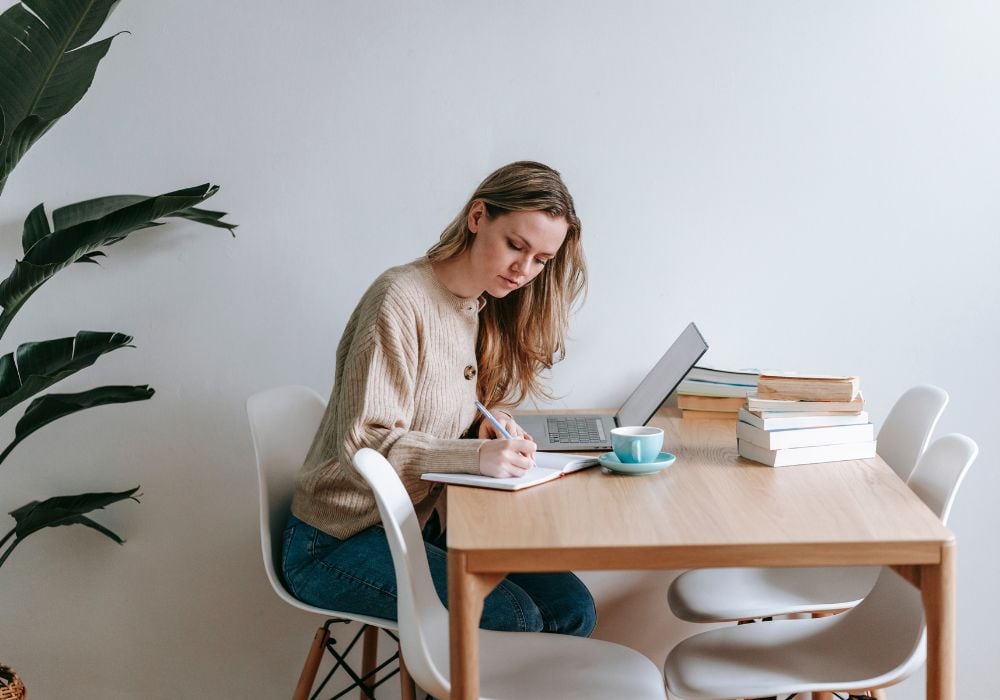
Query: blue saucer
[[610, 461]]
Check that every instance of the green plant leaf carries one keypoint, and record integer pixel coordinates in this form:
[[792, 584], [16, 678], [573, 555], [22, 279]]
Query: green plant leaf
[[62, 510], [46, 66], [36, 227], [90, 209], [52, 407], [90, 257], [20, 140], [92, 224], [34, 367]]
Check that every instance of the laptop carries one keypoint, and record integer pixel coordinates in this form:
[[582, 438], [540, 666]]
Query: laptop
[[579, 433]]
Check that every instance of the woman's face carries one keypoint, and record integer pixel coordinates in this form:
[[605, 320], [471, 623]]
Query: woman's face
[[511, 250]]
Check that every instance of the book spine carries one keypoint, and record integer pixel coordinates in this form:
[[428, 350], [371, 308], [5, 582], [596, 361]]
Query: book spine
[[704, 374], [709, 403], [802, 389], [709, 415], [806, 455], [695, 388], [755, 403], [805, 437], [785, 421]]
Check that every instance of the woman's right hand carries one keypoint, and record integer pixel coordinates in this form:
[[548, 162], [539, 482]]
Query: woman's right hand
[[501, 458]]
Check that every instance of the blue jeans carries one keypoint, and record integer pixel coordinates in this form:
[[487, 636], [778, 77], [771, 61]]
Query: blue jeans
[[356, 575]]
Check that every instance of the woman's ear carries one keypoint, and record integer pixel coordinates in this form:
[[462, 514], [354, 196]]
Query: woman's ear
[[476, 213]]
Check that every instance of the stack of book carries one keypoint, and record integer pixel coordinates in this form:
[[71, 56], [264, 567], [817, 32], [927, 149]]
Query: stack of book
[[707, 392], [799, 419]]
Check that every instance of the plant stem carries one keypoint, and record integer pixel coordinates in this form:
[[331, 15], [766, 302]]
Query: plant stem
[[3, 455], [7, 536], [10, 549]]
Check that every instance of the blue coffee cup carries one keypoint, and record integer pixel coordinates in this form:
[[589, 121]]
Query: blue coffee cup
[[638, 444]]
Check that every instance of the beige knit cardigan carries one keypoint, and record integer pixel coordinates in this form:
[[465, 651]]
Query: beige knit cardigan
[[405, 384]]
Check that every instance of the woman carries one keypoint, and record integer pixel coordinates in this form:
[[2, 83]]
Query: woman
[[479, 317]]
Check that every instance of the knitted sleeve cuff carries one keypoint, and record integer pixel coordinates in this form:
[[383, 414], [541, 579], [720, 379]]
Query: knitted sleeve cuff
[[418, 453]]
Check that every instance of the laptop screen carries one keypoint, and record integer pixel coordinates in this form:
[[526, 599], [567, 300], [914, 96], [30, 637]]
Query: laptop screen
[[676, 362]]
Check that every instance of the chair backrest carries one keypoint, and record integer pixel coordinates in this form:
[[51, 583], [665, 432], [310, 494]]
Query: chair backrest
[[423, 620], [907, 429], [888, 626], [283, 422], [941, 470]]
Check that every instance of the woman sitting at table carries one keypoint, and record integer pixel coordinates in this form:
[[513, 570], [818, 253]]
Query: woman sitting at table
[[479, 317]]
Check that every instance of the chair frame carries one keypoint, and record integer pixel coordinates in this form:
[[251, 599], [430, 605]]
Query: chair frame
[[301, 409], [367, 682], [599, 669]]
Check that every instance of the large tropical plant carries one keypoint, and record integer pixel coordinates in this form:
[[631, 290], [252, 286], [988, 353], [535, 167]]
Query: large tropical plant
[[47, 64]]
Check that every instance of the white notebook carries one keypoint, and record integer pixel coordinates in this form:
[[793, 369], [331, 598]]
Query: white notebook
[[548, 466]]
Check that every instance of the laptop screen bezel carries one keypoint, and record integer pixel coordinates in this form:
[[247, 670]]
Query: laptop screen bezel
[[650, 410]]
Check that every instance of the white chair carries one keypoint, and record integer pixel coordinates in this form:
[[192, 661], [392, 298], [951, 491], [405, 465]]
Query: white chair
[[283, 422], [747, 593], [876, 644], [512, 664], [907, 429]]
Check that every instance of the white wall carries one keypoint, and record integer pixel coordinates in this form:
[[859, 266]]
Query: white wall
[[814, 183]]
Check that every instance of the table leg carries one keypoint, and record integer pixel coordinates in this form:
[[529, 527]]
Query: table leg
[[466, 592], [937, 587]]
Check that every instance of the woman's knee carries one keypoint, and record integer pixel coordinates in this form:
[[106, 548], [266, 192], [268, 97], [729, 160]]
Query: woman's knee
[[508, 608], [565, 603], [556, 603], [575, 612]]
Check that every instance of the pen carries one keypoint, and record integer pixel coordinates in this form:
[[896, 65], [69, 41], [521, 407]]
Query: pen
[[495, 423]]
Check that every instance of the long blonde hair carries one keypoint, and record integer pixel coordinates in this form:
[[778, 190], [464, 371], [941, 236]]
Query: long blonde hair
[[525, 332]]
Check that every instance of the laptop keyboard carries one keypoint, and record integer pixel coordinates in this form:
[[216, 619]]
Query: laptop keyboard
[[572, 430]]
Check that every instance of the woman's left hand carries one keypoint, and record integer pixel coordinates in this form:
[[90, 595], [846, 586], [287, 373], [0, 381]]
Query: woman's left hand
[[488, 432]]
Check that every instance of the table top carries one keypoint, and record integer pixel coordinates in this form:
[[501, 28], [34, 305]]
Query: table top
[[710, 508]]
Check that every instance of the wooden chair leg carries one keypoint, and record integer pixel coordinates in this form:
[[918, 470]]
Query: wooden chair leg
[[822, 696], [879, 694], [407, 689], [308, 675], [368, 657]]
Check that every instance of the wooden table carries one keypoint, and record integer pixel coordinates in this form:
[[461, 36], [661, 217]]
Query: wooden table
[[711, 508]]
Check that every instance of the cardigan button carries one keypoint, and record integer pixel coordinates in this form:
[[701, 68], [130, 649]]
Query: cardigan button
[[470, 372]]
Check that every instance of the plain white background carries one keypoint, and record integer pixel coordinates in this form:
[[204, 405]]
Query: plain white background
[[814, 183]]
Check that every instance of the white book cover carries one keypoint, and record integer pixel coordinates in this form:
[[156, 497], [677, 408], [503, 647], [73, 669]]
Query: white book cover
[[548, 466], [697, 388], [787, 420], [806, 455], [804, 437]]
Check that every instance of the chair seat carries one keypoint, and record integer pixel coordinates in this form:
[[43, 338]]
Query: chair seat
[[719, 595], [849, 651], [547, 666]]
